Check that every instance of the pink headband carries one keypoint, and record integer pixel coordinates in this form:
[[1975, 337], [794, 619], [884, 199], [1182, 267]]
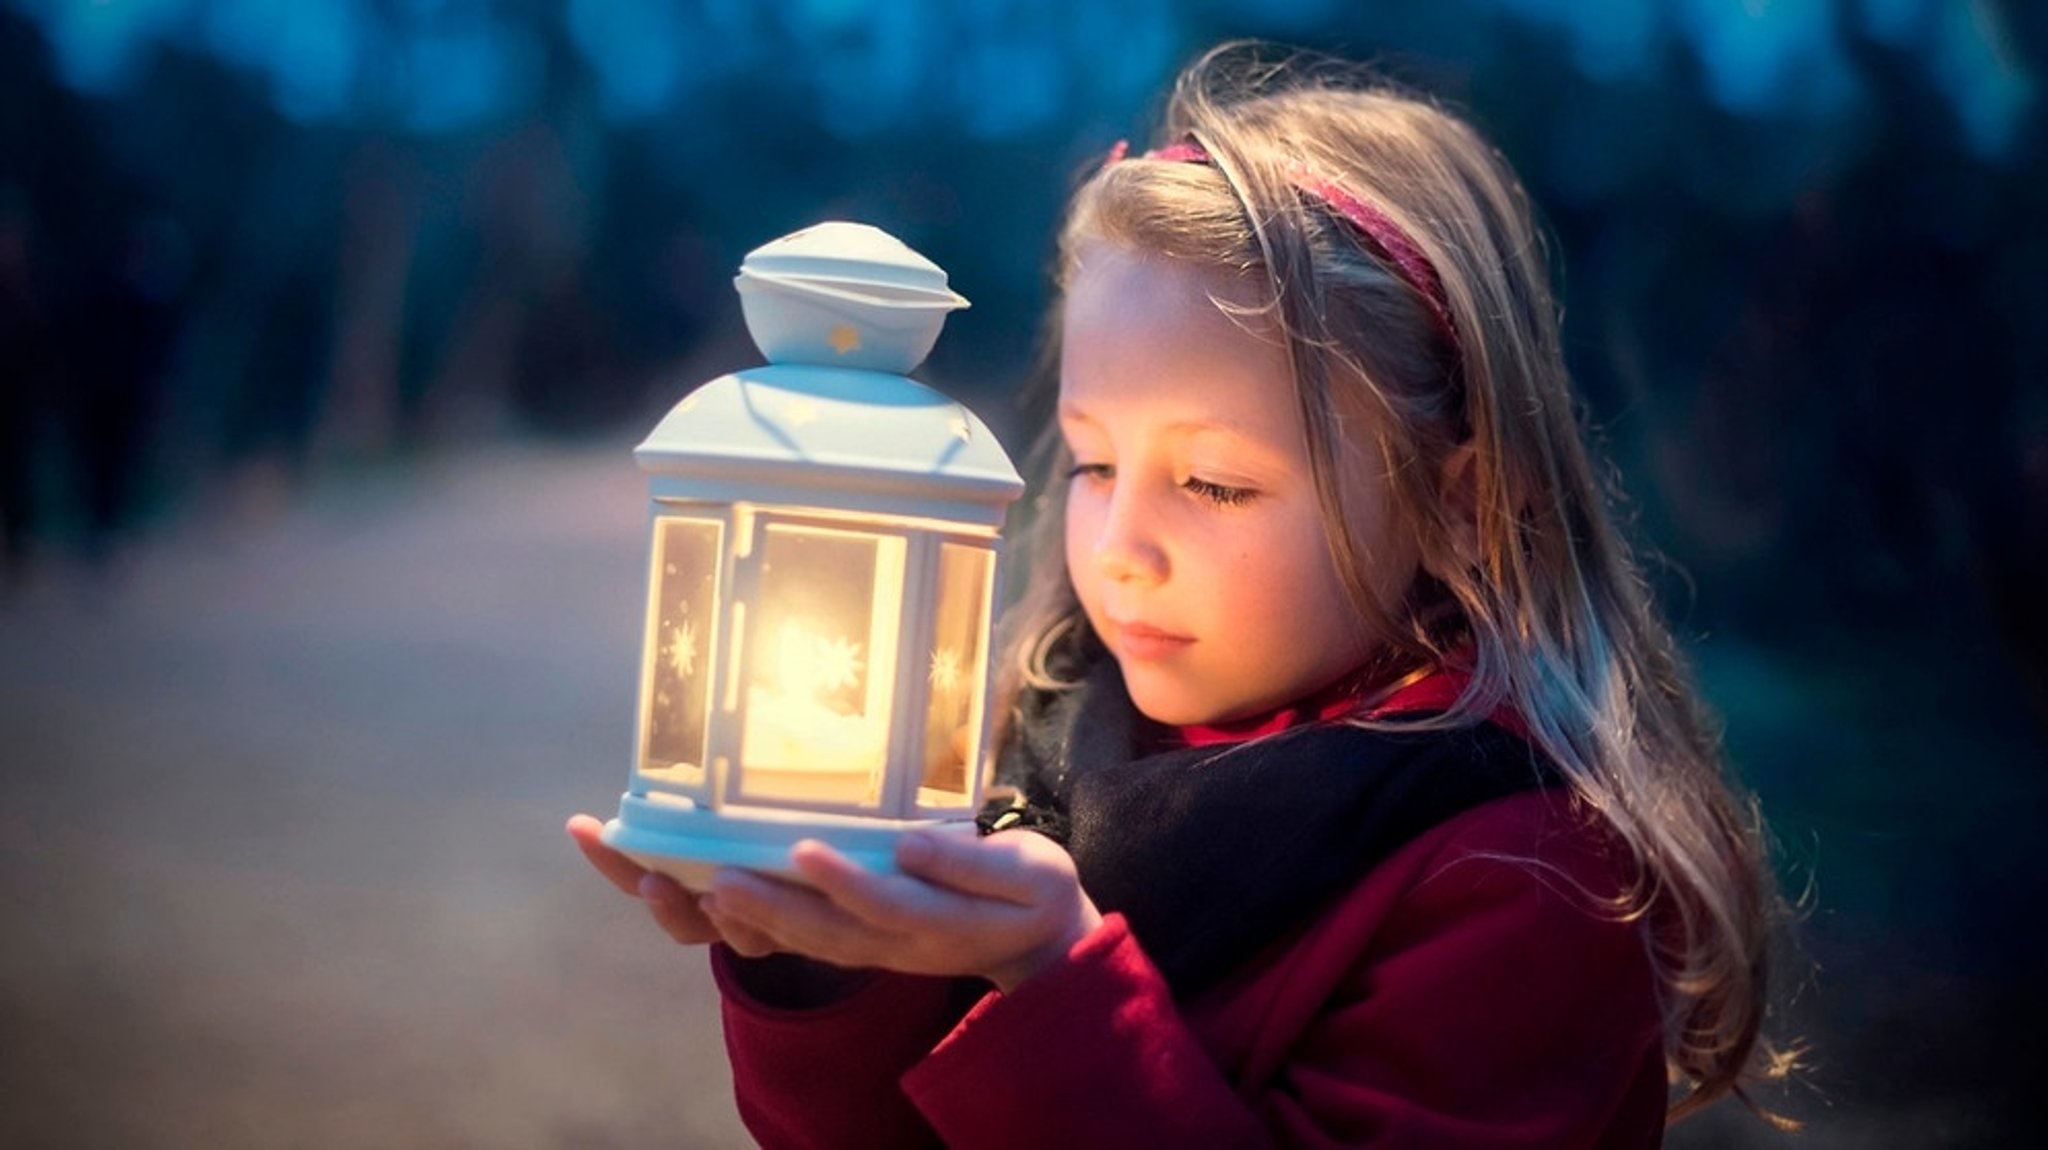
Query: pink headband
[[1381, 233]]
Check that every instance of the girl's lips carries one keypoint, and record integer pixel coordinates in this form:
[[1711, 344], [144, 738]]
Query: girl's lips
[[1138, 641]]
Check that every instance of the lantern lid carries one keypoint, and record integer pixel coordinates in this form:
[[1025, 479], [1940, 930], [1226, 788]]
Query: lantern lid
[[849, 255], [844, 295]]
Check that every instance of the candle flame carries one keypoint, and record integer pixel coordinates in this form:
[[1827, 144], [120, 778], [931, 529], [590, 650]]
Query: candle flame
[[811, 666], [801, 726]]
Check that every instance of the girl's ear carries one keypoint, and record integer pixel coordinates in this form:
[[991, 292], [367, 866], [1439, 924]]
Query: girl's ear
[[1459, 488]]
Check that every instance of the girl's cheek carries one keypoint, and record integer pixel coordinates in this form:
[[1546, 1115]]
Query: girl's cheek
[[1084, 515]]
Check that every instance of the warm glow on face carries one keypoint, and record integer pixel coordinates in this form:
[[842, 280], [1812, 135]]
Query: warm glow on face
[[1194, 534]]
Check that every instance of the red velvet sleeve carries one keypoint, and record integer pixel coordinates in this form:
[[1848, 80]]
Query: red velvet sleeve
[[1089, 1053], [826, 1077], [1468, 993]]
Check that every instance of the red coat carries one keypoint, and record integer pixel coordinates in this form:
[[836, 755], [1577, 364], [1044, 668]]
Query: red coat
[[1468, 992]]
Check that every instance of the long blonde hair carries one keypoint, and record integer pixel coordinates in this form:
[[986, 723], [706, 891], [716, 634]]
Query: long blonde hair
[[1524, 574]]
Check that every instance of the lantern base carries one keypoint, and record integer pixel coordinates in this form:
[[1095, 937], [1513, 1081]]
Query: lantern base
[[689, 843]]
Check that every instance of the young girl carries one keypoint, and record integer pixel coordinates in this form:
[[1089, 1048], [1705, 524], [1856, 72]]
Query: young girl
[[1359, 795]]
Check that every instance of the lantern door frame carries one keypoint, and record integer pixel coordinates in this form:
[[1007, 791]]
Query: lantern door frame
[[719, 783]]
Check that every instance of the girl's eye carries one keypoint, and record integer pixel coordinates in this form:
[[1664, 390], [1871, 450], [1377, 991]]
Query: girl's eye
[[1217, 493], [1094, 471]]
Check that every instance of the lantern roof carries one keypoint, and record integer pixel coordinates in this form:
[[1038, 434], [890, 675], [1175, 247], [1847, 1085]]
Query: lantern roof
[[840, 438], [838, 309]]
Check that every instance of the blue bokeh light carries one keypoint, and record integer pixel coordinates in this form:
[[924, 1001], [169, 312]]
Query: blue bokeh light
[[310, 52], [995, 68]]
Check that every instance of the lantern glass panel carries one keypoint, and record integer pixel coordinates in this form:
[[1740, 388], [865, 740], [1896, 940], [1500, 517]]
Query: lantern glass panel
[[955, 667], [820, 663], [680, 614]]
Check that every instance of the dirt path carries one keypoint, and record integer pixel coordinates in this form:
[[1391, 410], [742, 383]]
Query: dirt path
[[280, 834]]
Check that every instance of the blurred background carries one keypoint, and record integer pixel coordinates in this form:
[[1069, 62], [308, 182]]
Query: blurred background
[[327, 329]]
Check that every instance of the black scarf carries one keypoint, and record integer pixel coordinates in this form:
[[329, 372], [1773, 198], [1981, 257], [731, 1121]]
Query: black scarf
[[1212, 853]]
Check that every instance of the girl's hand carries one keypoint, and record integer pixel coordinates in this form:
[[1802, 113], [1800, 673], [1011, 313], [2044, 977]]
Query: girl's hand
[[675, 909], [1003, 907]]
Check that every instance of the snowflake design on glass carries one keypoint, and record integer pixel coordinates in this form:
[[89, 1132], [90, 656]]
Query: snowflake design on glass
[[682, 655], [839, 663], [945, 671]]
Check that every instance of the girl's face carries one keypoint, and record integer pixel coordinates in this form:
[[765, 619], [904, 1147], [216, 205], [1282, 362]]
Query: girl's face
[[1194, 536]]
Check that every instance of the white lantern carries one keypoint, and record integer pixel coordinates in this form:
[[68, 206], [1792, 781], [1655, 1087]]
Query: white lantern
[[822, 580]]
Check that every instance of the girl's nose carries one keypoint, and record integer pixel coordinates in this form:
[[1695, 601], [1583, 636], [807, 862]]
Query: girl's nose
[[1127, 548]]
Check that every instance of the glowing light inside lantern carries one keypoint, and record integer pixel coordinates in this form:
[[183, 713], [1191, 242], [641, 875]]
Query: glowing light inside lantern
[[800, 731], [819, 683]]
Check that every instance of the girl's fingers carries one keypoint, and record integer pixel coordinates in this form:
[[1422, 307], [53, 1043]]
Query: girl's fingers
[[886, 902], [1012, 868], [998, 909], [675, 910], [742, 937], [617, 869], [795, 918]]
